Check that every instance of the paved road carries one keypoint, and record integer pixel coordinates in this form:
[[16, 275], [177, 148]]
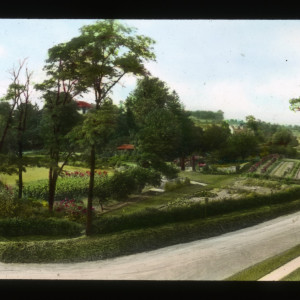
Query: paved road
[[210, 259]]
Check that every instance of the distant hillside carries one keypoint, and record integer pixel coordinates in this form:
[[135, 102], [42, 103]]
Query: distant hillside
[[207, 115]]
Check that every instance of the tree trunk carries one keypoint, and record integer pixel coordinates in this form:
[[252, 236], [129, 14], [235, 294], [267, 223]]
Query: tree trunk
[[90, 193], [20, 156], [182, 163], [193, 163], [6, 128], [52, 187]]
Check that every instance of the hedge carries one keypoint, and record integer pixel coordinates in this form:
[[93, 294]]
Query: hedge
[[10, 227], [154, 217]]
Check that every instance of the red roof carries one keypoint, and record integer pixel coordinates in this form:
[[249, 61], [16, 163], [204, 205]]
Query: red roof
[[84, 104], [126, 147]]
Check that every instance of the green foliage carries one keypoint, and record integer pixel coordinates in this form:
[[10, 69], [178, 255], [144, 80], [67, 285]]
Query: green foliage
[[284, 137], [118, 186], [144, 176], [178, 183], [121, 184], [16, 226], [215, 137], [150, 160], [9, 204], [72, 210], [154, 217], [208, 115]]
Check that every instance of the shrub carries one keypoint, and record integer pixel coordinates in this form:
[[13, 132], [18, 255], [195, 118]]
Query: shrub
[[9, 204], [121, 184], [74, 211], [38, 226], [144, 176], [172, 185], [155, 217]]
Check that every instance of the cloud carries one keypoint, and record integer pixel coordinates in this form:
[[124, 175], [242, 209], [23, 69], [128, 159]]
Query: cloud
[[2, 51], [281, 88]]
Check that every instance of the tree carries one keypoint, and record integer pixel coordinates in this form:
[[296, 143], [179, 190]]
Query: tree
[[164, 130], [295, 104], [59, 112], [101, 56], [215, 137], [241, 145], [284, 137], [18, 94]]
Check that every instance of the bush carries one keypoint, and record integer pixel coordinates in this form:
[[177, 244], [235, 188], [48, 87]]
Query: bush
[[170, 186], [121, 184], [72, 210], [9, 205], [144, 176], [155, 217], [38, 226]]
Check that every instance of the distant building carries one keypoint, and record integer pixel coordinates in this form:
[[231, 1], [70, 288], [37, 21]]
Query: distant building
[[126, 147], [237, 129], [83, 106]]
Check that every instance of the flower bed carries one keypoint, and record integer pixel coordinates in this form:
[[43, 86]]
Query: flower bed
[[273, 158]]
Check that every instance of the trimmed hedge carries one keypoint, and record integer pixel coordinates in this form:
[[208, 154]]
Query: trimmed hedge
[[130, 242], [38, 226], [155, 217]]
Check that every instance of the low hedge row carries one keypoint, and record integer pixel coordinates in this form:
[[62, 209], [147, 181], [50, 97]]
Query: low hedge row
[[130, 242], [154, 217], [10, 227]]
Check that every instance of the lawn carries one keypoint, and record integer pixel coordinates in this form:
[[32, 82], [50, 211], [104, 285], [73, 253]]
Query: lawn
[[267, 266], [38, 173], [214, 181]]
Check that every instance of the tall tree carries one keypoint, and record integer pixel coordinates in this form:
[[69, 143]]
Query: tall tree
[[161, 124], [18, 93], [102, 55], [60, 114]]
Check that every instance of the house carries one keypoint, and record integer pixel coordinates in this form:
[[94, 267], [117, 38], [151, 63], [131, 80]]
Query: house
[[237, 129], [83, 106], [126, 147]]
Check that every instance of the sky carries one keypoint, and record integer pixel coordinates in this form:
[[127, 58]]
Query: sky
[[242, 67]]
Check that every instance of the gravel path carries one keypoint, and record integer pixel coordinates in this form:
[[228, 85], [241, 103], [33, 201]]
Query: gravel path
[[210, 259]]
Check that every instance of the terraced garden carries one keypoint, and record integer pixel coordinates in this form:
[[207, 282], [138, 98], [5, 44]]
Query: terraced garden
[[277, 167]]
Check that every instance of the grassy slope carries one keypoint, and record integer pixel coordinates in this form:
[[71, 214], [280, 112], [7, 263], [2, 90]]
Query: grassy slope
[[265, 267]]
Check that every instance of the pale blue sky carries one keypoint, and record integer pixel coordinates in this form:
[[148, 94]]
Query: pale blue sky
[[239, 66]]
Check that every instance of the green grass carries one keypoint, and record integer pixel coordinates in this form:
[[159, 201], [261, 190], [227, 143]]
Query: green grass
[[157, 200], [31, 174], [38, 173], [265, 267], [211, 179], [294, 276]]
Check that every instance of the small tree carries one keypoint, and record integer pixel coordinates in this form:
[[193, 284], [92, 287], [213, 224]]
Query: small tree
[[59, 113], [102, 55], [18, 94]]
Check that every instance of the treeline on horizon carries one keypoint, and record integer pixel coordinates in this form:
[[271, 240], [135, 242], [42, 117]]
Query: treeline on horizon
[[218, 116]]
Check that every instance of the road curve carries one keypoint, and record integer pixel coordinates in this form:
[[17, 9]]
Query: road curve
[[208, 259]]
